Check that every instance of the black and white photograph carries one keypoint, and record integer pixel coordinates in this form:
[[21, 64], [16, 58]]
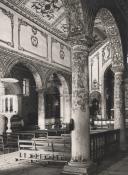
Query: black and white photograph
[[63, 87]]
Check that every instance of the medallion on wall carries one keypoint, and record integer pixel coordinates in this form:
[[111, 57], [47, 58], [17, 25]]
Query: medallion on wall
[[34, 41]]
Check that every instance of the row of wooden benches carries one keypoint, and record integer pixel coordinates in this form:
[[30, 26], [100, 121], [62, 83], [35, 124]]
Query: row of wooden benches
[[50, 148]]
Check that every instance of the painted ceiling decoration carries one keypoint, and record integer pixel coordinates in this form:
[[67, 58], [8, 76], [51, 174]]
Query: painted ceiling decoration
[[51, 11], [47, 9]]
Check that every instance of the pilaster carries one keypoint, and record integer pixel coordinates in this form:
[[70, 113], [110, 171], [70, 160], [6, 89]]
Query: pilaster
[[41, 110]]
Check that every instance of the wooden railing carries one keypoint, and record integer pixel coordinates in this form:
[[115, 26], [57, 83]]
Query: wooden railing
[[104, 144]]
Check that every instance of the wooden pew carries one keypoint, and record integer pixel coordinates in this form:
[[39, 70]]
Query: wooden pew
[[46, 148], [1, 143]]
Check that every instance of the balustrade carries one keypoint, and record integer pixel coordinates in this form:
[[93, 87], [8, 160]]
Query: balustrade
[[104, 144]]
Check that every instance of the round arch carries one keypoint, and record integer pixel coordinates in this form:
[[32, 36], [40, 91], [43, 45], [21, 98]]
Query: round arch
[[64, 93], [113, 35], [33, 69]]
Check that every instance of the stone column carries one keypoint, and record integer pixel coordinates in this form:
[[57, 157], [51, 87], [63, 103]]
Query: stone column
[[67, 108], [103, 100], [2, 118], [119, 116], [62, 107], [41, 110], [80, 153]]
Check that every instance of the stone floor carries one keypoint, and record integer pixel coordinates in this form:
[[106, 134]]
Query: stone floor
[[8, 166], [117, 165]]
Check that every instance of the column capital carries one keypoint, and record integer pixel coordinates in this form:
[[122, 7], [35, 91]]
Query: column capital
[[80, 41], [41, 90], [118, 69]]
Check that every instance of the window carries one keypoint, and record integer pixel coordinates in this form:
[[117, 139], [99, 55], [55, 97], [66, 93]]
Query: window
[[26, 87]]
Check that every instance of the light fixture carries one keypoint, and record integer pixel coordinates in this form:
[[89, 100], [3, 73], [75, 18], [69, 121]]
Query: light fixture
[[9, 80]]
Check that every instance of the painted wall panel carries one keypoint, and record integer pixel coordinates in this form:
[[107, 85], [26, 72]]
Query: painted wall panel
[[61, 54], [32, 40], [6, 27]]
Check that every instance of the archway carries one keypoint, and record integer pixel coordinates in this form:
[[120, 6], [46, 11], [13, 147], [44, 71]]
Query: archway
[[109, 93], [95, 104], [106, 22], [57, 100], [106, 29], [25, 89]]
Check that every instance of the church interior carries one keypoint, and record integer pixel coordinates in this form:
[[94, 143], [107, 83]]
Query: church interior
[[63, 84]]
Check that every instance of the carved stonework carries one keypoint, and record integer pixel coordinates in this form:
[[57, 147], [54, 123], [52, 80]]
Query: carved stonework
[[80, 89], [118, 99], [34, 41], [114, 37], [106, 53], [46, 8], [74, 15]]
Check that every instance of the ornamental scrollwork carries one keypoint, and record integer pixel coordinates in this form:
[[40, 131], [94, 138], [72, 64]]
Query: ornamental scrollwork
[[47, 8], [106, 52], [113, 35], [80, 90], [74, 16]]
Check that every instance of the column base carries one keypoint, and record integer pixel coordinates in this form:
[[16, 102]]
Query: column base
[[78, 168]]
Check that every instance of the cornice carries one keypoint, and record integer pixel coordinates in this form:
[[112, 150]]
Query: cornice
[[16, 55], [34, 18]]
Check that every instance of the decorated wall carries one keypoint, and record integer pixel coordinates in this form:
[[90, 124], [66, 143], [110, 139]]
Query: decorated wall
[[23, 36], [98, 59]]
